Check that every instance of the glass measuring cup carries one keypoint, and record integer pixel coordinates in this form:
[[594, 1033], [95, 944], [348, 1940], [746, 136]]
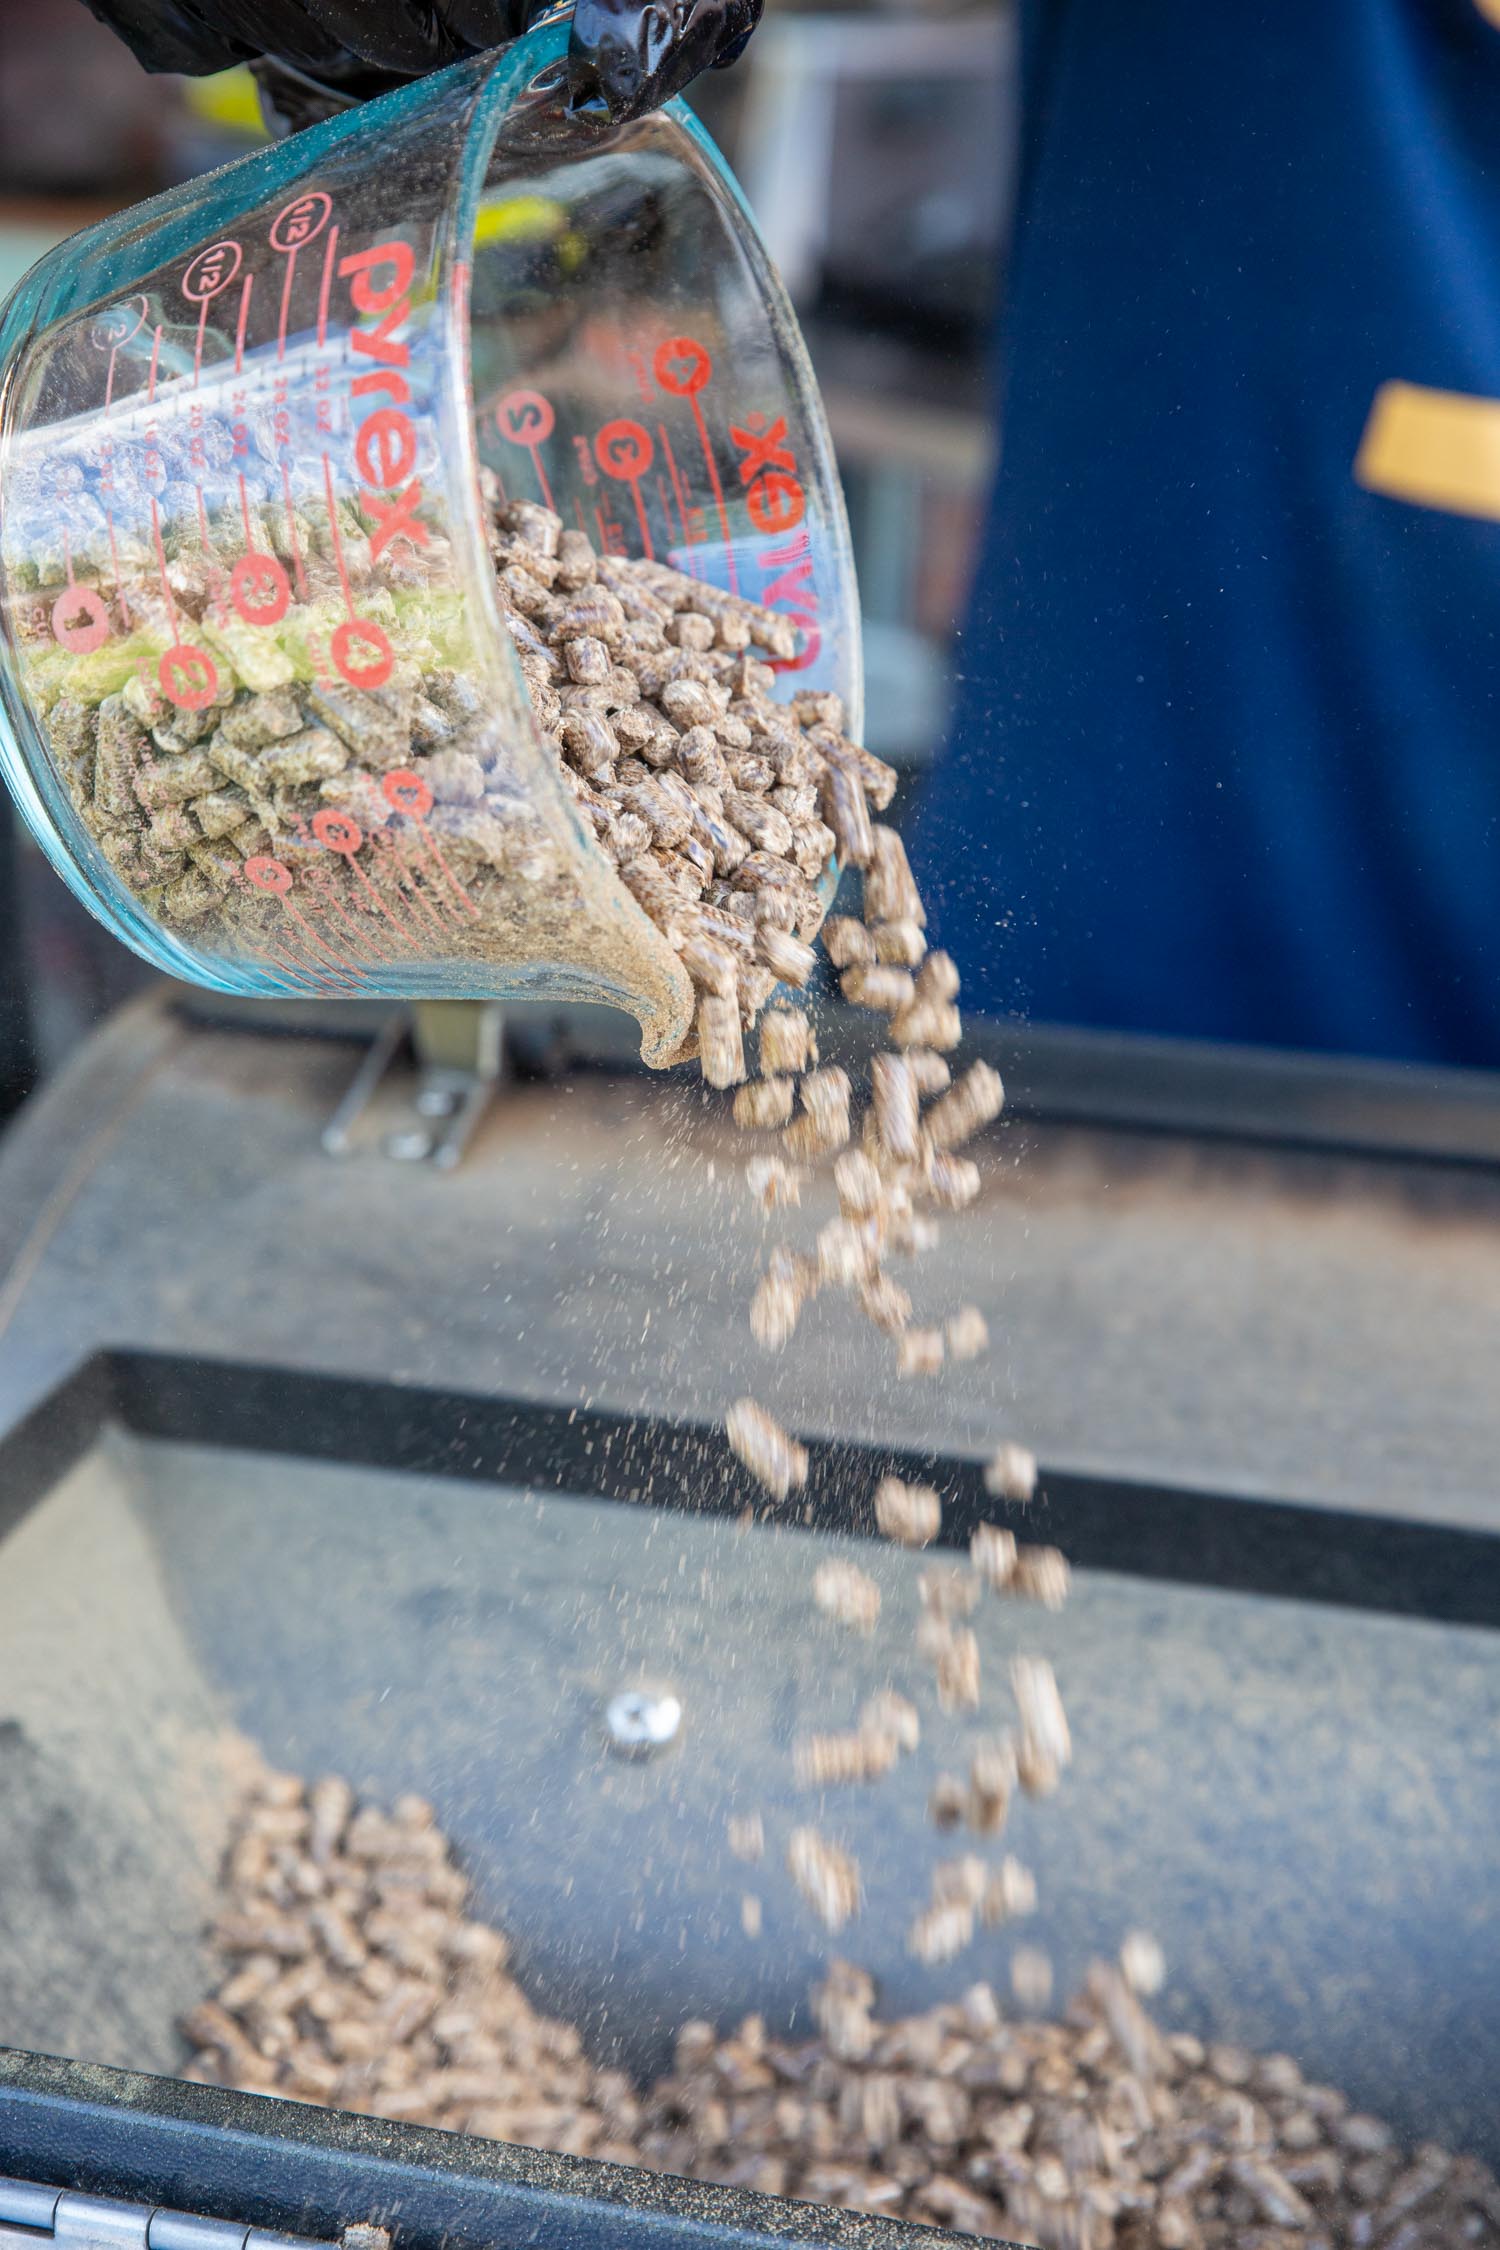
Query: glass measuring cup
[[261, 709]]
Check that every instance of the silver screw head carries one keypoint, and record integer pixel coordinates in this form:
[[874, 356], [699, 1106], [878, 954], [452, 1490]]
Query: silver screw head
[[412, 1146], [641, 1721]]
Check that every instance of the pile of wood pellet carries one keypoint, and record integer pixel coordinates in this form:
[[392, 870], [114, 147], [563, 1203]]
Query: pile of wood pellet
[[889, 1170], [721, 808], [388, 818], [355, 1977]]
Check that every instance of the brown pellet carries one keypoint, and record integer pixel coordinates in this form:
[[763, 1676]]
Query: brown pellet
[[973, 1102], [720, 1045], [786, 1042], [992, 1551], [891, 894], [930, 1072], [901, 944], [847, 943], [1010, 1473], [957, 1670], [1044, 1724], [858, 1185], [774, 1459], [747, 1836], [764, 1102], [920, 1352], [869, 985], [967, 1333], [773, 1184], [887, 1712], [894, 1095], [826, 1876], [822, 1761], [1042, 1575], [884, 1302], [791, 961], [909, 1513], [847, 1594]]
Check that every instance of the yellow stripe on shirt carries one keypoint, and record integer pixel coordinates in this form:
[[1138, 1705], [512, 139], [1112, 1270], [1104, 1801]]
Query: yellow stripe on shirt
[[1437, 449]]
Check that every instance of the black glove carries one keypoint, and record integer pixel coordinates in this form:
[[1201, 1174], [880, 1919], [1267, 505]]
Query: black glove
[[313, 57]]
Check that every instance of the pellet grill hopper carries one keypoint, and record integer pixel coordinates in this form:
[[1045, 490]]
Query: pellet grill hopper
[[406, 1474]]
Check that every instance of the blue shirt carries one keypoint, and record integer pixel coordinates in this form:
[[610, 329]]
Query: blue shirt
[[1226, 754]]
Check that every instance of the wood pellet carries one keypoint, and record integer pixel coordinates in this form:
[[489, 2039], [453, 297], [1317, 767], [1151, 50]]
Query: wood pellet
[[355, 1975], [654, 693]]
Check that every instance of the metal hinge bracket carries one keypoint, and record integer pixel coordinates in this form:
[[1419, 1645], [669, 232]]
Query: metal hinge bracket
[[31, 2215]]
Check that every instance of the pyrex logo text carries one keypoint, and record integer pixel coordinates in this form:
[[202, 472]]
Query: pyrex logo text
[[774, 498], [776, 503], [385, 443]]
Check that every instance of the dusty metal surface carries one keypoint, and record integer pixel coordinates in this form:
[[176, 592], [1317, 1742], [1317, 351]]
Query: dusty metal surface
[[1301, 1801], [1303, 1325], [249, 2156]]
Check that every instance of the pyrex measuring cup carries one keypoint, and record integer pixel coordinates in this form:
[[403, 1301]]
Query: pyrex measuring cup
[[248, 599]]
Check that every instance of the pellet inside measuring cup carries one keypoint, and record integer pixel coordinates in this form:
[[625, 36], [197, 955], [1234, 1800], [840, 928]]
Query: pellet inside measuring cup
[[323, 828]]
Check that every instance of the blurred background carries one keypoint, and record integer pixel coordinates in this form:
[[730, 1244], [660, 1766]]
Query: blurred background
[[876, 147]]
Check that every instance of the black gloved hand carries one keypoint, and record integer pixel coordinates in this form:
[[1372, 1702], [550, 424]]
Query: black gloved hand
[[313, 57]]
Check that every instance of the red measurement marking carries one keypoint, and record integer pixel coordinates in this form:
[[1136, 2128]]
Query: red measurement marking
[[115, 328], [295, 225], [526, 419], [682, 366], [275, 878], [109, 383], [718, 491], [408, 793], [335, 960], [408, 889], [245, 512], [268, 874], [325, 285], [291, 532], [240, 324], [155, 355], [624, 450], [301, 221], [682, 505], [333, 527], [80, 621], [640, 517], [211, 270], [460, 286], [202, 522], [277, 957], [336, 832], [361, 653], [161, 558], [286, 305], [198, 344], [259, 589], [187, 677], [328, 897]]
